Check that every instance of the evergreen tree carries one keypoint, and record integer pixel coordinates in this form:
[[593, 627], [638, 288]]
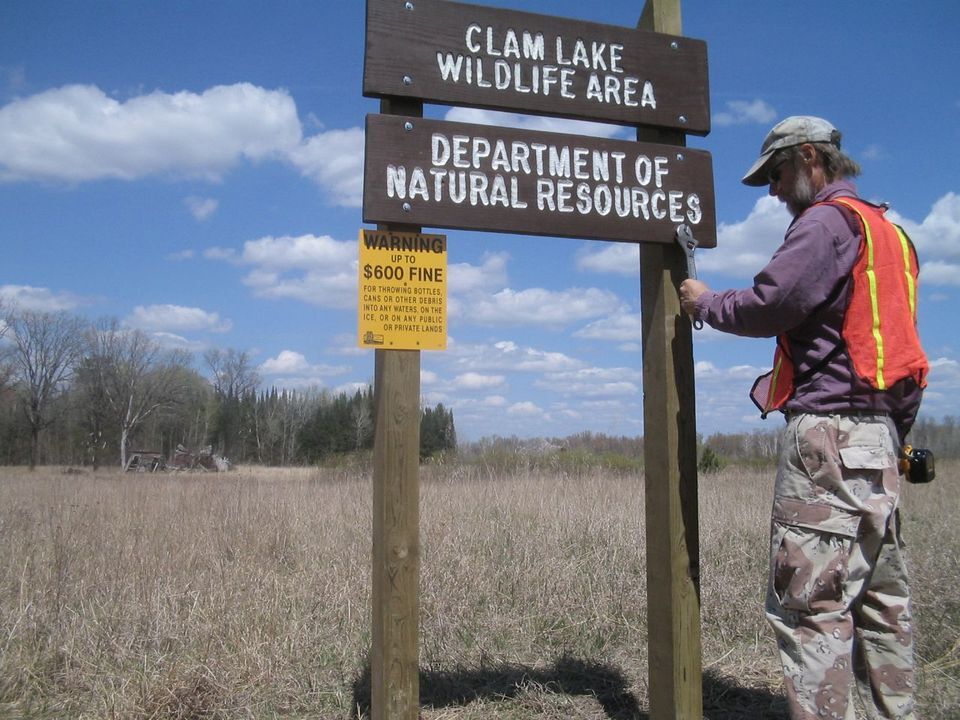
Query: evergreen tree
[[437, 432]]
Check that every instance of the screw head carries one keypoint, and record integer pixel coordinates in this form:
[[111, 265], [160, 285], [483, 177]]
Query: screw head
[[408, 126], [407, 80], [408, 5], [407, 207], [682, 119]]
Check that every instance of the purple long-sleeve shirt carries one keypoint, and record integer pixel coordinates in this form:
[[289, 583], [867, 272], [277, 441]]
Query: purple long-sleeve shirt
[[803, 293]]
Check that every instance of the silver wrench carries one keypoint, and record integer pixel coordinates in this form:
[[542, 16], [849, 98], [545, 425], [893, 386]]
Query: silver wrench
[[684, 236]]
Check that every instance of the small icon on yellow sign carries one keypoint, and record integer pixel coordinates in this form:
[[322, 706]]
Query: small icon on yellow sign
[[371, 338]]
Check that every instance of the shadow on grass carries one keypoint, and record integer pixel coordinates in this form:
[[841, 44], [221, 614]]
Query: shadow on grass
[[723, 699]]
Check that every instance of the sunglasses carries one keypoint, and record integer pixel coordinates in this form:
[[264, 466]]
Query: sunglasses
[[774, 175]]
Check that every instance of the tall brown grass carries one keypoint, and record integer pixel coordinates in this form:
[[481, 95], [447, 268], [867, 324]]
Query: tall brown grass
[[247, 595]]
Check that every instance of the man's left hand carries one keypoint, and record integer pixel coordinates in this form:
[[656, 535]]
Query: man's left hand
[[690, 290]]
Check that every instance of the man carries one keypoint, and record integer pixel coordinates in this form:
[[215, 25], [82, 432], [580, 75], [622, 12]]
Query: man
[[840, 295]]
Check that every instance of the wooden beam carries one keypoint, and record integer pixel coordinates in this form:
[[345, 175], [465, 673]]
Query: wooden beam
[[670, 447], [394, 661]]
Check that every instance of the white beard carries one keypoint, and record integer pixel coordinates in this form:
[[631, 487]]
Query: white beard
[[803, 193]]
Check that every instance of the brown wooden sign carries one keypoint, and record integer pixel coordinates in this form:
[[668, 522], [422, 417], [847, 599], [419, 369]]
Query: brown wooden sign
[[458, 54], [478, 177]]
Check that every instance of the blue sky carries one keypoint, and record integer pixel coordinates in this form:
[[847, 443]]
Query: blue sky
[[194, 169]]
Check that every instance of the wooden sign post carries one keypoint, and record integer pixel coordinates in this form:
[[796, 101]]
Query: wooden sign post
[[421, 172], [394, 661], [670, 458]]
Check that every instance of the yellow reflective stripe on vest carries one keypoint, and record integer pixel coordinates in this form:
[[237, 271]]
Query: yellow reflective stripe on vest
[[907, 272], [874, 300], [774, 379]]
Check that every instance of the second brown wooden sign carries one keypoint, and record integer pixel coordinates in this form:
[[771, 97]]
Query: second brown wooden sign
[[434, 173]]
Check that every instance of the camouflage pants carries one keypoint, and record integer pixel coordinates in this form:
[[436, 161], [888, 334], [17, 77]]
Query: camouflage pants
[[838, 597]]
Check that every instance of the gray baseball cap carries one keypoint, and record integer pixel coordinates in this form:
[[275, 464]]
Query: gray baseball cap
[[795, 130]]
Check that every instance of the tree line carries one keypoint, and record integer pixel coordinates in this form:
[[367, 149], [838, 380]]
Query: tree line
[[942, 436], [79, 393]]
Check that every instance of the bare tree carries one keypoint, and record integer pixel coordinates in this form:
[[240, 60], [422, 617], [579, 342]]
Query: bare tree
[[233, 377], [362, 416], [44, 349], [135, 376], [6, 367], [93, 409]]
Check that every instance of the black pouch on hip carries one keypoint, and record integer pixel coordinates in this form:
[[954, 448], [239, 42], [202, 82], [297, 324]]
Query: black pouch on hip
[[918, 464]]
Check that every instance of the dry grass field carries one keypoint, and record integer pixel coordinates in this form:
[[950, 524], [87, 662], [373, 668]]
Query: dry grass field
[[247, 595]]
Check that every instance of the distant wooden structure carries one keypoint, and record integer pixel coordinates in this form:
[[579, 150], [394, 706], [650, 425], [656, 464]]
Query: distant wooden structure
[[145, 461], [203, 460]]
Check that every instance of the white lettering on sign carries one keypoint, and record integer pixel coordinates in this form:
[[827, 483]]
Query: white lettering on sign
[[519, 61], [479, 172]]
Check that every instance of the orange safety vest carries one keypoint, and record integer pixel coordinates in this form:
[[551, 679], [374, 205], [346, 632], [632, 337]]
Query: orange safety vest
[[880, 321]]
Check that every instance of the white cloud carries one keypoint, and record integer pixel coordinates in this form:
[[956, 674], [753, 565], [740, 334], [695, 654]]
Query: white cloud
[[287, 362], [334, 160], [350, 388], [873, 152], [745, 247], [532, 122], [313, 269], [621, 326], [202, 208], [292, 369], [938, 234], [220, 253], [594, 382], [704, 369], [77, 132], [538, 306], [491, 273], [467, 282], [937, 238], [938, 272], [723, 396], [742, 112], [527, 409], [177, 342], [507, 356], [304, 251], [477, 381], [346, 344], [615, 258], [177, 318], [39, 299], [943, 362], [708, 334]]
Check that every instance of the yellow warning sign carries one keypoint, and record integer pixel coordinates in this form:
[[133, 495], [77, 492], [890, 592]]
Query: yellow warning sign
[[403, 291]]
